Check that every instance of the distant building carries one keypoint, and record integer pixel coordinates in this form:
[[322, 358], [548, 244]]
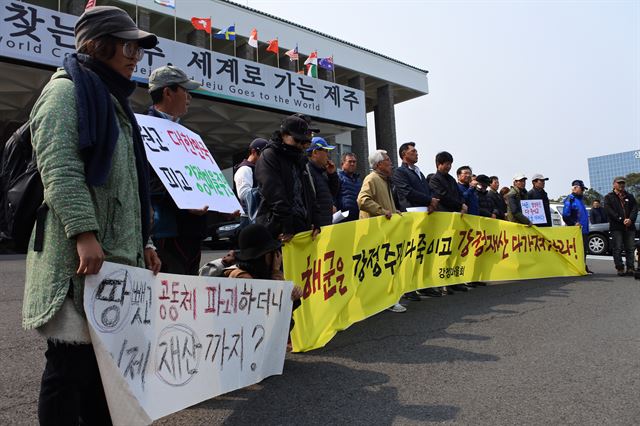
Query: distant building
[[603, 169]]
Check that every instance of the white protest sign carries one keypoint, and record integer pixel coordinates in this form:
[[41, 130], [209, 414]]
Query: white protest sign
[[167, 342], [185, 166], [534, 211]]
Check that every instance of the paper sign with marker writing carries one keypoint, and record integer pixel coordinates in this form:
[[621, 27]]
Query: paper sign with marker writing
[[185, 166], [176, 340], [534, 211]]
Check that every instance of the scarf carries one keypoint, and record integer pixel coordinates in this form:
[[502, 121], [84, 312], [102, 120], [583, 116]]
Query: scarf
[[98, 132]]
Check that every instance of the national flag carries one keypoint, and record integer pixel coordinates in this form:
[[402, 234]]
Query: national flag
[[166, 3], [293, 54], [326, 63], [312, 64], [273, 46], [226, 34], [90, 4], [253, 39], [203, 24]]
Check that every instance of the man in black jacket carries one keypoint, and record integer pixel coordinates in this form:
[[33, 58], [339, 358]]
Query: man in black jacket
[[498, 200], [445, 188], [325, 178], [538, 193], [487, 207], [288, 201], [413, 191], [622, 211]]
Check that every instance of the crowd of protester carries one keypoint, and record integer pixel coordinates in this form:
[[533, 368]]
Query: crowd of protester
[[105, 204]]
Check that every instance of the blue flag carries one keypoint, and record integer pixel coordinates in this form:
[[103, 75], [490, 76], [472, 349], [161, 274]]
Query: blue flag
[[226, 34], [326, 63]]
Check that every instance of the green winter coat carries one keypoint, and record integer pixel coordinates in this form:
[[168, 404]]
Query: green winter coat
[[111, 211]]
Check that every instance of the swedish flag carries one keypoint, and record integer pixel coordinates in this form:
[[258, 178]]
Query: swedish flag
[[226, 34]]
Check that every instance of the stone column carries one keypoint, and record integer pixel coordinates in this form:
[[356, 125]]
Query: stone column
[[359, 139], [386, 122]]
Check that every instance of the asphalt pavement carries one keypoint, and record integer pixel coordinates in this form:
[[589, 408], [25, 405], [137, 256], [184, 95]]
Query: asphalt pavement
[[550, 351]]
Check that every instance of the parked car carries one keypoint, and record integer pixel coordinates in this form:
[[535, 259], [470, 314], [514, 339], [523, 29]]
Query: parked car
[[556, 214], [221, 232], [600, 240]]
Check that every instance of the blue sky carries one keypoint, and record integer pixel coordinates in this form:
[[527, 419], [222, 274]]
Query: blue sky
[[514, 85]]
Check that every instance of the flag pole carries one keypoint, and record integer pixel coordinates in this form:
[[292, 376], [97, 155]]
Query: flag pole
[[175, 25], [136, 13], [234, 39], [333, 64], [278, 54], [257, 48], [210, 35]]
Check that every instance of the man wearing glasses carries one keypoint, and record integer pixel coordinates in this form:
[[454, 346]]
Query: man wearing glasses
[[622, 210]]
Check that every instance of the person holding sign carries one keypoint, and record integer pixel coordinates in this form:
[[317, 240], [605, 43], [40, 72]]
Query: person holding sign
[[376, 196], [177, 233], [516, 194], [325, 178], [288, 200], [94, 170], [538, 193], [413, 191]]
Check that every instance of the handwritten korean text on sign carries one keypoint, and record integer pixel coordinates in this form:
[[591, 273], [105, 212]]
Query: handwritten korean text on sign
[[177, 340]]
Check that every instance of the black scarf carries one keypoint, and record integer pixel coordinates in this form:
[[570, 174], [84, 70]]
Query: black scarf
[[98, 131]]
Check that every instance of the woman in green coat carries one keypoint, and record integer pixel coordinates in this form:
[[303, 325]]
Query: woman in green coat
[[95, 176]]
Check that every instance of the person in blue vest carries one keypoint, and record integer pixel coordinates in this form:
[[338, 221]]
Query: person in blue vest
[[350, 185], [413, 191], [574, 213]]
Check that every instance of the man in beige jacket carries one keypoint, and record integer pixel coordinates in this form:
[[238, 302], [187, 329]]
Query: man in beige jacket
[[375, 197]]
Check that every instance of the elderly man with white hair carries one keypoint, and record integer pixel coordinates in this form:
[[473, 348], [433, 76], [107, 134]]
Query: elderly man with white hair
[[376, 197]]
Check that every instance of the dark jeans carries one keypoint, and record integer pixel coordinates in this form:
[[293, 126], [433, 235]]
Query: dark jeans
[[179, 255], [623, 239], [71, 392]]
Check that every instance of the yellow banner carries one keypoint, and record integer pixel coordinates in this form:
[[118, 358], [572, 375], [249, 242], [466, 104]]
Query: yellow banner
[[356, 269]]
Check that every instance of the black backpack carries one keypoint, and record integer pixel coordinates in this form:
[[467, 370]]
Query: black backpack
[[21, 192]]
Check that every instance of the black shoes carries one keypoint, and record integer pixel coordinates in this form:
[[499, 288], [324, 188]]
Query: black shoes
[[630, 272], [430, 292], [414, 296], [460, 287], [621, 272]]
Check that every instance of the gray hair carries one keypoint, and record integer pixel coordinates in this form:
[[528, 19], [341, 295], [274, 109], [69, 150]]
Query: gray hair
[[376, 156]]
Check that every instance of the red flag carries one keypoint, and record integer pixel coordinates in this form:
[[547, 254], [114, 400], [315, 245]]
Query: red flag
[[203, 24], [253, 39], [90, 4], [273, 46]]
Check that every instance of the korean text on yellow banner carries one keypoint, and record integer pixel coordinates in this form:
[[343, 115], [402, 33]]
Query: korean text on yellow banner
[[354, 270]]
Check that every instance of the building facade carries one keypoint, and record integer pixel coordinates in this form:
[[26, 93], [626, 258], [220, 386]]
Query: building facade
[[246, 92], [603, 169]]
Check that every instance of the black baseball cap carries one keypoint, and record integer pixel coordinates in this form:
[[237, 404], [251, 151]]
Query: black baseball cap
[[258, 144], [578, 182], [296, 127], [110, 20]]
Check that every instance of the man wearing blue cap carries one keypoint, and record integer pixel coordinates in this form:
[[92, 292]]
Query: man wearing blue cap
[[574, 213], [325, 178]]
